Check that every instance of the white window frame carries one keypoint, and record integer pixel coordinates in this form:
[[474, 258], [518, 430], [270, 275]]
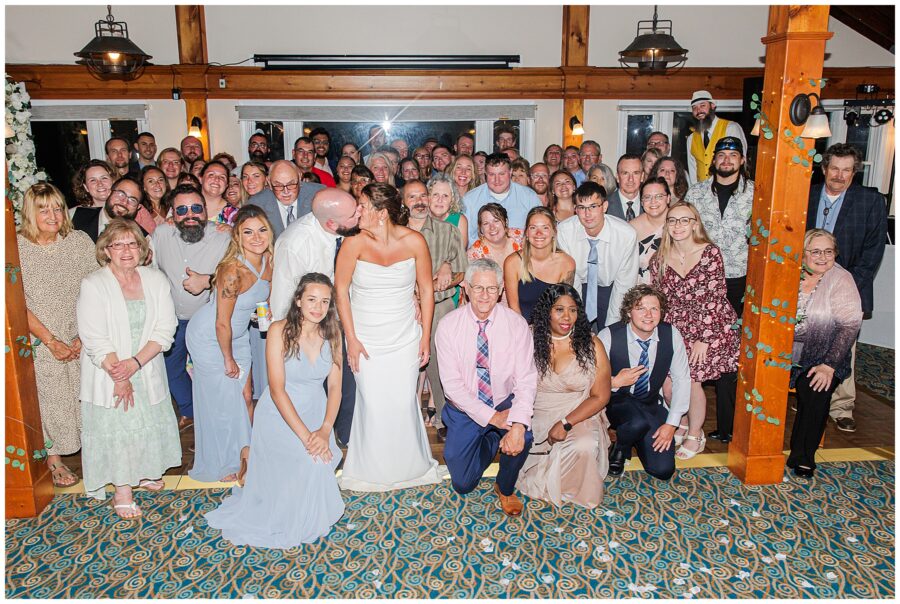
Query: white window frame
[[331, 111], [663, 116], [98, 130]]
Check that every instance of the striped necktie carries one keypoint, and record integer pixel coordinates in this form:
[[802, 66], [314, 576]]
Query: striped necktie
[[483, 365], [642, 385]]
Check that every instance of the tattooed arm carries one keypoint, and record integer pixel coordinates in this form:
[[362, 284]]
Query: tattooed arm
[[228, 288]]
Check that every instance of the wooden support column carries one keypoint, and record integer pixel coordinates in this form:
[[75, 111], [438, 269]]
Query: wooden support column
[[190, 21], [795, 50], [575, 33], [29, 487]]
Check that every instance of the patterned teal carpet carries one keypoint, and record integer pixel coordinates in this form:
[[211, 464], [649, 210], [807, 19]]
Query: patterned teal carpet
[[702, 535], [875, 370]]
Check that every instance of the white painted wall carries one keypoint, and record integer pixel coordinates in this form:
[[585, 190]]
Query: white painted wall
[[225, 132], [548, 127], [601, 124], [719, 36], [51, 34], [167, 121], [530, 31]]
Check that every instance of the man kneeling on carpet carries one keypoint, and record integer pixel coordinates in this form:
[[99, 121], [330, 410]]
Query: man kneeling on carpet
[[486, 359], [643, 350]]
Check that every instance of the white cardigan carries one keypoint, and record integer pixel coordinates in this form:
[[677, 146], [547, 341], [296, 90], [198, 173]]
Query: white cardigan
[[103, 328]]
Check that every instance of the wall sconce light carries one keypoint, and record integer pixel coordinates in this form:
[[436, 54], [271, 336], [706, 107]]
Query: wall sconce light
[[755, 131], [802, 112], [575, 126], [196, 127]]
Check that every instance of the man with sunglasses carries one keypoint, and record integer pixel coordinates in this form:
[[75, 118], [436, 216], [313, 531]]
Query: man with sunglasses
[[286, 199], [486, 358], [188, 252], [605, 251]]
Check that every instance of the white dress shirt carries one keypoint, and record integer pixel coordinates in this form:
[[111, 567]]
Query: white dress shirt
[[617, 257], [284, 211], [304, 247], [679, 370]]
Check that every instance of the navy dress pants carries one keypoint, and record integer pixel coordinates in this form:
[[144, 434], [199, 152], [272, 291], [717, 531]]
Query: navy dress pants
[[348, 400], [634, 423], [471, 448], [179, 380]]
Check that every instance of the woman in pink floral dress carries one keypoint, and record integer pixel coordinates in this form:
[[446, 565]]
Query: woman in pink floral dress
[[688, 268]]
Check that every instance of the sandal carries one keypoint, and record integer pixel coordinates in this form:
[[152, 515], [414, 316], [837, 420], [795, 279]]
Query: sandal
[[429, 416], [679, 438], [130, 506], [152, 485], [684, 453], [62, 476]]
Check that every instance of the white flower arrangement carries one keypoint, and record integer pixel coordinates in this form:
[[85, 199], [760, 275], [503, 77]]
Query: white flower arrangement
[[22, 171]]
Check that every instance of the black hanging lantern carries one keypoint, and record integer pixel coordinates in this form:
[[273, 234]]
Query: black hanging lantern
[[111, 55], [654, 50]]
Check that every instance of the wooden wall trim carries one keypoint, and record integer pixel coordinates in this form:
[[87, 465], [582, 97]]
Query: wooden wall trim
[[74, 82]]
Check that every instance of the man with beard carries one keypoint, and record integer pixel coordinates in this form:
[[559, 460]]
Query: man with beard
[[540, 181], [659, 141], [725, 203], [305, 157], [499, 188], [857, 217], [441, 157], [311, 245], [465, 144], [448, 267], [118, 155], [124, 201], [191, 150], [188, 252], [505, 138], [321, 141], [286, 199], [258, 148], [710, 129]]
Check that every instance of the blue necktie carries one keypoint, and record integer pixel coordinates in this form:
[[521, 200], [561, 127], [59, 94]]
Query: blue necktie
[[590, 296], [337, 248], [642, 385]]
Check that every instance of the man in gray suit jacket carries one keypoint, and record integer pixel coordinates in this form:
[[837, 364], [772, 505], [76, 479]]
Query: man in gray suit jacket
[[625, 202], [287, 199]]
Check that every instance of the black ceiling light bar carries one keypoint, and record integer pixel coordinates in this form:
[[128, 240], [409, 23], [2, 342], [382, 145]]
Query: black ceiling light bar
[[360, 62]]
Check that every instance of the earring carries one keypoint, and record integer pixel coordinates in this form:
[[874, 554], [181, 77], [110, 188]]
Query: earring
[[380, 223]]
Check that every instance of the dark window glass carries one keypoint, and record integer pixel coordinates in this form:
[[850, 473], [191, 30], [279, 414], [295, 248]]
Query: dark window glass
[[858, 137], [274, 131], [639, 129], [125, 129], [60, 149], [414, 133]]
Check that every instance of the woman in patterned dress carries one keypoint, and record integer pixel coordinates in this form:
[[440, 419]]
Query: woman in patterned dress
[[651, 223], [55, 258], [688, 268]]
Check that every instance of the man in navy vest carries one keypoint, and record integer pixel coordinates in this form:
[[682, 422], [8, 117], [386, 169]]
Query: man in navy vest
[[642, 352]]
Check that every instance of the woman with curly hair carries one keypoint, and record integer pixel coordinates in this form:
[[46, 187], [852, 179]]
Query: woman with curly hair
[[671, 169], [293, 430], [568, 462]]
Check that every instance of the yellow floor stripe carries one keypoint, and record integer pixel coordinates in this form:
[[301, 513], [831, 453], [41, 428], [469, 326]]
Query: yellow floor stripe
[[705, 460]]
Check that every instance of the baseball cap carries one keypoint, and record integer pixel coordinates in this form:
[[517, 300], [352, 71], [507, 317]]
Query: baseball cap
[[730, 143]]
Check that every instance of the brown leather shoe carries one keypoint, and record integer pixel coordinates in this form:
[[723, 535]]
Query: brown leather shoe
[[442, 434], [510, 504]]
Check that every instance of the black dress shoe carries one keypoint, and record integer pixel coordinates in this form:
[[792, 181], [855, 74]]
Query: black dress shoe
[[716, 435], [801, 472], [616, 461], [725, 439], [442, 434]]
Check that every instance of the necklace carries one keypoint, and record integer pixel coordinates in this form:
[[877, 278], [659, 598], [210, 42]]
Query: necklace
[[565, 337]]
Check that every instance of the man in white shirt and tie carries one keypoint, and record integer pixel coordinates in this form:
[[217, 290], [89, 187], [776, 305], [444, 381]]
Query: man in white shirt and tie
[[287, 199], [643, 350], [310, 245], [605, 252]]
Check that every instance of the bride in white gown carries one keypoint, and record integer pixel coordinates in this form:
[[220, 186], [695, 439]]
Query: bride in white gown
[[375, 281]]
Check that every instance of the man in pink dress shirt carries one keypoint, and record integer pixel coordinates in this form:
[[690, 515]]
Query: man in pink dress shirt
[[486, 358]]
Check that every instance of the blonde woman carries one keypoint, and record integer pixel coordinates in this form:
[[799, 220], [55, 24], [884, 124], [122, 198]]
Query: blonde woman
[[540, 264], [54, 258]]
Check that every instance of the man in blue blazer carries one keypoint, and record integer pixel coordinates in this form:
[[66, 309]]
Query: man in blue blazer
[[857, 217], [286, 199]]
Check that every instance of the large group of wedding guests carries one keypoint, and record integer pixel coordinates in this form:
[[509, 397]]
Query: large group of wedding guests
[[294, 308]]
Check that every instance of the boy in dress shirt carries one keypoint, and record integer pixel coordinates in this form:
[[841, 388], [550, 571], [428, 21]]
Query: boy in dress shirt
[[642, 352], [486, 358]]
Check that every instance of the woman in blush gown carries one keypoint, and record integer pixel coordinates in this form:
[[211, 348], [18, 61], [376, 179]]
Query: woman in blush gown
[[377, 275], [218, 340], [291, 495]]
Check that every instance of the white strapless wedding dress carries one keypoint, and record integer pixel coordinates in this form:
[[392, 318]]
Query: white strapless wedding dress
[[388, 447]]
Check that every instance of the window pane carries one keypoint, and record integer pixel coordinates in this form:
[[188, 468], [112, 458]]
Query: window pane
[[414, 133], [682, 124], [274, 131], [639, 129], [500, 125], [858, 136], [125, 129], [60, 149]]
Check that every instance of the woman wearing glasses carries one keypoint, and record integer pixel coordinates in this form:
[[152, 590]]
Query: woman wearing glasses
[[650, 223], [568, 461], [829, 314], [689, 270], [126, 318], [217, 338]]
